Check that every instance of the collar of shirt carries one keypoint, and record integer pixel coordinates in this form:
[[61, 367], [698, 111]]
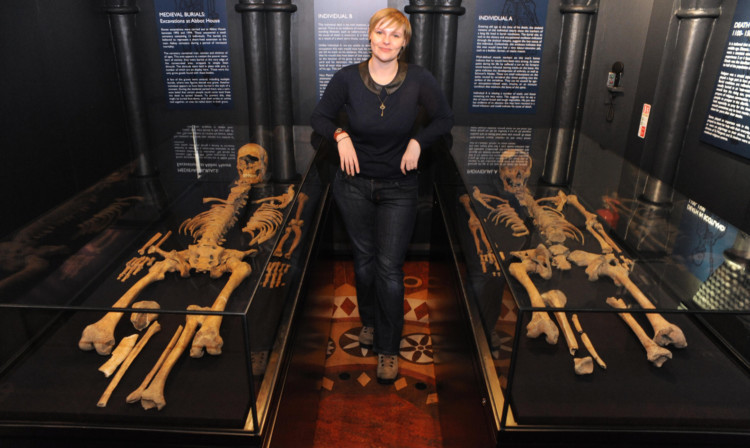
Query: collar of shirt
[[374, 87]]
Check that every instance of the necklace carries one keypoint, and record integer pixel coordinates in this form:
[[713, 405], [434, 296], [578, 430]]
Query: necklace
[[382, 101]]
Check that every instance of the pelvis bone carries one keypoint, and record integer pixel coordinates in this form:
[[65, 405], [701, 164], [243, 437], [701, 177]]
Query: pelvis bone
[[206, 255]]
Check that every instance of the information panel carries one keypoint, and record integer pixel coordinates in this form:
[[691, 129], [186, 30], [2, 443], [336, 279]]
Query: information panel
[[728, 121], [702, 240], [507, 55], [487, 143], [206, 150], [195, 53], [341, 35]]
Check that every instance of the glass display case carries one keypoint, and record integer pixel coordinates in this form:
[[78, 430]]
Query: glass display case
[[211, 252], [546, 270]]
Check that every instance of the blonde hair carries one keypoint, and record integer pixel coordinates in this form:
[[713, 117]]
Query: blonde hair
[[389, 16]]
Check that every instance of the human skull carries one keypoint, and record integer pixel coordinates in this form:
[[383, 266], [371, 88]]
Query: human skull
[[515, 169], [252, 162]]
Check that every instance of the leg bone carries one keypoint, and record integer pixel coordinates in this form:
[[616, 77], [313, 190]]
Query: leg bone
[[153, 395], [557, 299], [540, 321], [208, 336], [656, 354], [665, 333], [101, 334], [136, 394], [118, 355], [126, 364]]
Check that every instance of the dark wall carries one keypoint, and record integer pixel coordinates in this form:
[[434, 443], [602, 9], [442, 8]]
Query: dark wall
[[62, 115], [64, 122], [165, 121], [716, 178], [642, 33]]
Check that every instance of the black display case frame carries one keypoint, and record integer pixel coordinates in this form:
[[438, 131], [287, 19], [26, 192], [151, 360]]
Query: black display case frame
[[50, 386], [699, 395]]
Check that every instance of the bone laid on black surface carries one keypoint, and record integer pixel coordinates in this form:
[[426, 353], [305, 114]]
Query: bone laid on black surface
[[155, 327], [665, 332], [656, 354]]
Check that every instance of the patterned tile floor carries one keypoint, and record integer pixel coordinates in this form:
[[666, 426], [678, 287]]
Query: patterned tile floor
[[355, 410]]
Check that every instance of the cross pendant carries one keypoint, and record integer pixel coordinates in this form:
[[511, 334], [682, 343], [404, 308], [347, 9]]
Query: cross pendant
[[382, 109]]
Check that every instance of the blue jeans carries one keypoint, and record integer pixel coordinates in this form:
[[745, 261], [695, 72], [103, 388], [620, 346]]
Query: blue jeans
[[379, 216]]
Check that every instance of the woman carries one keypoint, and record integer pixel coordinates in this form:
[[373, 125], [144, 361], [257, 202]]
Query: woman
[[376, 187]]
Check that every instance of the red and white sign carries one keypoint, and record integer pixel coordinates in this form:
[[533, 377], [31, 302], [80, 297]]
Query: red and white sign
[[644, 120]]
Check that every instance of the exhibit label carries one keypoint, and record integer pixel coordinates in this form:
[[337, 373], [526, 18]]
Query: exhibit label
[[728, 122], [206, 150], [341, 35], [195, 53], [487, 143], [507, 55], [702, 239]]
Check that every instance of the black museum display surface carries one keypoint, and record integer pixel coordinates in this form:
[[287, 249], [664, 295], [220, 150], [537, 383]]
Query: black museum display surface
[[145, 247]]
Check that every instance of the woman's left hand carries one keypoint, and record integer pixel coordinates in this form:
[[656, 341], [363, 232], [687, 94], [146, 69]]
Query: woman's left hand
[[410, 159]]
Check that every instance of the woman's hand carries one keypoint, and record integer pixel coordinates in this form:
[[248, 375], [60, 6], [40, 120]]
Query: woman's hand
[[348, 156], [411, 156]]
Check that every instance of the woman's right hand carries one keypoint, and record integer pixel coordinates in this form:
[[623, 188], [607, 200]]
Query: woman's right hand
[[348, 156]]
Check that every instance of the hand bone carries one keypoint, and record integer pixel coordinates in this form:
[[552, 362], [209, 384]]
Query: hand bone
[[665, 333], [556, 299], [540, 321], [656, 354]]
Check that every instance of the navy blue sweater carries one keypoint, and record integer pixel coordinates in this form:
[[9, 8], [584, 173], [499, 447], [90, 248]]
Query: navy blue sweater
[[380, 141]]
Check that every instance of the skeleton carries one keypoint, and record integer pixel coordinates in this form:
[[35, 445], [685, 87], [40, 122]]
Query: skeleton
[[25, 256], [294, 227], [126, 364], [503, 213], [153, 395], [277, 269], [484, 249], [594, 226], [266, 220], [550, 222], [665, 333], [205, 256], [107, 216], [535, 261], [515, 169], [656, 354]]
